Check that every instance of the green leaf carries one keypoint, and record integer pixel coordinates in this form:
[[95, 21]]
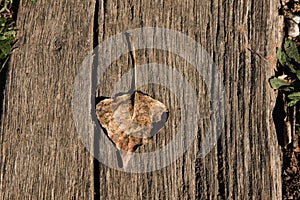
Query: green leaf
[[294, 95], [2, 37], [276, 83], [286, 88], [11, 33], [2, 21], [292, 103], [281, 57], [291, 50], [298, 74], [5, 49], [291, 67], [284, 60]]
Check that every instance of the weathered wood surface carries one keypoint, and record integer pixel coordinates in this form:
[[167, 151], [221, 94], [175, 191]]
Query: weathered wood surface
[[41, 154], [246, 163]]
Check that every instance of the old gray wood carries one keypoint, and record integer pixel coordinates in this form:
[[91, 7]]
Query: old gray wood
[[241, 36], [41, 154]]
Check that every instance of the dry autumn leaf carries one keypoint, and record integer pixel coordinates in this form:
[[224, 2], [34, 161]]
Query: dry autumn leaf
[[285, 78], [282, 77], [131, 120]]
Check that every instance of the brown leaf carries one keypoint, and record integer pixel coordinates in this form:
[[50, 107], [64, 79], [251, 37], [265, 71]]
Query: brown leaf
[[131, 120]]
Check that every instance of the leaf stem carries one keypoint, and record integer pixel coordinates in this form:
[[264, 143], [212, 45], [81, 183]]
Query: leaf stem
[[134, 61], [135, 74]]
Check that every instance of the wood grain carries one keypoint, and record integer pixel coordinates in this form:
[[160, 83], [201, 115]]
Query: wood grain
[[41, 154], [241, 37]]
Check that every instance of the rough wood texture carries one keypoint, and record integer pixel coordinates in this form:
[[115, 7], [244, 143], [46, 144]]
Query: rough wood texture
[[241, 36], [41, 154]]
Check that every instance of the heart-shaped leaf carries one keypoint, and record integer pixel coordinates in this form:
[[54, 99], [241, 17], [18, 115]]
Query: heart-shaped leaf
[[131, 120]]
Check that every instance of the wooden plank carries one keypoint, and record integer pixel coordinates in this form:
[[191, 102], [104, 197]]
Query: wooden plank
[[249, 158], [41, 154], [241, 37]]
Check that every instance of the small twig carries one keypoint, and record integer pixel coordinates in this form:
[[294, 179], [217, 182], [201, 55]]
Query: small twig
[[135, 73], [134, 61]]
